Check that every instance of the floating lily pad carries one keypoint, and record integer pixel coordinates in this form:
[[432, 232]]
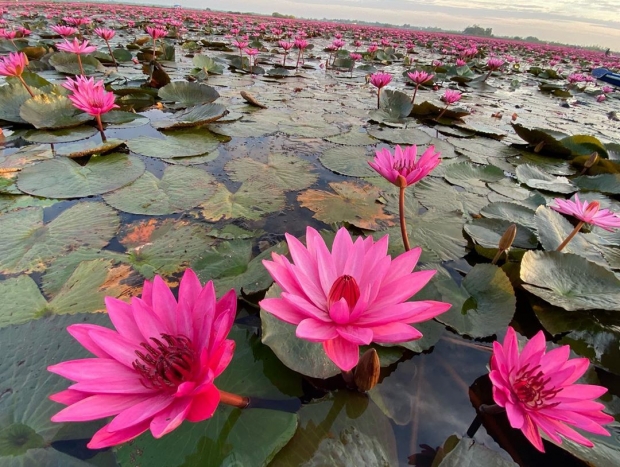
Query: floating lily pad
[[483, 305], [181, 143], [27, 155], [352, 138], [165, 247], [570, 281], [394, 106], [207, 64], [406, 136], [353, 203], [511, 212], [470, 453], [23, 301], [348, 160], [26, 431], [261, 123], [187, 93], [230, 436], [65, 62], [553, 229], [180, 188], [195, 160], [52, 111], [230, 265], [487, 233], [193, 116], [88, 148], [11, 99], [65, 178], [584, 145], [66, 135], [605, 183], [545, 140], [535, 178], [253, 200], [435, 193], [122, 119], [344, 429], [550, 165], [28, 244], [286, 172], [309, 128], [12, 202], [473, 177]]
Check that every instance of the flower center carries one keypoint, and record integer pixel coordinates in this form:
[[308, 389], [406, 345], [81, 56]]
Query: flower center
[[168, 362], [344, 287], [591, 210], [531, 389]]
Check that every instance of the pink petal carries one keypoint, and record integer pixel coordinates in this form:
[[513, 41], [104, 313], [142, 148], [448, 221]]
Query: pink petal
[[530, 430], [339, 312], [148, 321], [169, 419], [516, 415], [164, 305], [315, 331], [137, 413], [104, 438], [81, 333], [221, 357], [97, 406], [93, 368], [68, 396], [203, 405], [394, 333], [121, 315], [282, 310], [343, 353], [117, 347], [189, 290], [355, 334]]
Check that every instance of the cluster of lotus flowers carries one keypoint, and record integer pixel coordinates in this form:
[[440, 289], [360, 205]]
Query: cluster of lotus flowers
[[158, 368]]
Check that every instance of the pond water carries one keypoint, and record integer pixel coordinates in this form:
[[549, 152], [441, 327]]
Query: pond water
[[218, 197]]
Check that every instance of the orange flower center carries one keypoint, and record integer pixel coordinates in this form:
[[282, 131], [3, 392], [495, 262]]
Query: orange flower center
[[344, 287], [167, 363]]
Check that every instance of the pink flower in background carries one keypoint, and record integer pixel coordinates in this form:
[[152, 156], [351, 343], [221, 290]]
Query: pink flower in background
[[76, 47], [64, 30], [380, 79], [13, 64], [537, 390], [588, 212], [495, 63], [286, 45], [575, 78], [355, 56], [157, 368], [607, 89], [156, 33], [420, 77], [601, 98], [7, 34], [460, 62], [105, 33], [354, 295], [405, 163], [451, 97]]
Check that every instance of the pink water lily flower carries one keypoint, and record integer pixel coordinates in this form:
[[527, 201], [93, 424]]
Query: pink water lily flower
[[155, 32], [354, 295], [451, 97], [420, 77], [76, 47], [404, 167], [105, 33], [380, 80], [13, 64], [157, 368], [589, 212], [538, 390], [64, 30]]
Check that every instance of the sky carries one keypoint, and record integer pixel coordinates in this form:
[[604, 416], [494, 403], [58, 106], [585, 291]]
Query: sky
[[583, 22]]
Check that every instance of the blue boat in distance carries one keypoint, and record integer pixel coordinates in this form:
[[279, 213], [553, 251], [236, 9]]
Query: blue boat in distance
[[606, 76]]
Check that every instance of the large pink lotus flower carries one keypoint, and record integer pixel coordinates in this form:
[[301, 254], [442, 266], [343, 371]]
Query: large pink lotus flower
[[588, 212], [537, 389], [157, 368], [405, 163], [420, 77], [156, 33], [352, 296], [90, 96], [380, 79], [64, 30], [76, 47], [13, 64]]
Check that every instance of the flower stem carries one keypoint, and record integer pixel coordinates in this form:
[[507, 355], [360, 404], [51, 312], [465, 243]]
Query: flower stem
[[487, 76], [284, 59], [26, 86], [473, 428], [233, 399], [442, 112], [378, 98], [80, 63], [100, 126], [403, 224], [414, 93], [298, 58], [570, 236], [348, 378], [111, 54]]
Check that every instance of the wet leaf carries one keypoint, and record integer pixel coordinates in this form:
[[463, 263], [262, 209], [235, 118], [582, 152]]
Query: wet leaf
[[570, 281], [605, 183], [193, 116], [182, 143], [286, 172], [65, 178], [535, 178], [406, 136], [52, 111], [487, 233], [88, 148], [468, 453], [23, 301], [188, 94], [11, 99], [65, 62], [179, 189], [60, 136]]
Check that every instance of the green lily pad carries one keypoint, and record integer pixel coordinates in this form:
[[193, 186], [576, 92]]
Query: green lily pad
[[179, 189], [437, 194], [65, 178], [188, 94], [511, 212], [230, 265], [605, 183], [584, 145], [253, 200], [436, 107], [66, 135], [163, 248], [13, 202], [549, 141], [122, 119], [23, 301], [353, 203], [230, 436], [553, 229], [483, 305], [408, 136], [473, 177], [470, 453], [570, 281], [26, 431], [348, 160], [352, 138], [65, 62], [343, 429], [28, 244], [550, 165], [11, 99], [314, 127], [88, 148], [52, 111], [26, 156], [260, 123], [202, 62], [487, 233], [193, 116], [181, 143], [535, 178], [307, 358], [195, 160], [286, 172], [394, 106]]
